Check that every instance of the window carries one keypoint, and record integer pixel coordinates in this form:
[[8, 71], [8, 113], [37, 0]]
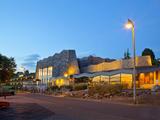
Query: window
[[115, 79], [40, 74], [105, 78], [45, 72], [146, 78], [50, 71], [126, 79]]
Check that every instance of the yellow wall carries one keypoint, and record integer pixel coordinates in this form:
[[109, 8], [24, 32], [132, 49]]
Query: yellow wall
[[119, 64]]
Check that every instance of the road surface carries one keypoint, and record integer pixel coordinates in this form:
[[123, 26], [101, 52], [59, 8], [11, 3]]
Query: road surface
[[43, 107]]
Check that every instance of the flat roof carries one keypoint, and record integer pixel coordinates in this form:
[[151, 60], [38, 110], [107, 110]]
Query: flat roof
[[114, 72]]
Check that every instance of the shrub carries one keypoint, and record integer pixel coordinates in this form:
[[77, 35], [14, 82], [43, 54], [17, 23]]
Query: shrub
[[69, 87], [105, 88], [53, 88], [80, 86]]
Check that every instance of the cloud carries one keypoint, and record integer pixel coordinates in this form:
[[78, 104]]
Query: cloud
[[33, 57], [29, 62]]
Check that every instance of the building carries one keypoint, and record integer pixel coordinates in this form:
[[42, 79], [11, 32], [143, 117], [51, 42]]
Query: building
[[22, 80], [54, 68], [121, 72], [59, 68], [91, 60]]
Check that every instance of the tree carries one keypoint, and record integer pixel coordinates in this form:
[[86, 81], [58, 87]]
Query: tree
[[7, 68], [26, 72], [149, 52], [127, 54]]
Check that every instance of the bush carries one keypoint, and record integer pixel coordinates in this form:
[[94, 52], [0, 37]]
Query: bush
[[105, 88], [80, 86], [69, 87], [54, 88]]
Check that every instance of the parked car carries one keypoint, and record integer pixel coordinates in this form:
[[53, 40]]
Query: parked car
[[155, 88]]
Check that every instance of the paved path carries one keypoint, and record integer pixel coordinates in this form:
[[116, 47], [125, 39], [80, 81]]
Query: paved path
[[41, 107]]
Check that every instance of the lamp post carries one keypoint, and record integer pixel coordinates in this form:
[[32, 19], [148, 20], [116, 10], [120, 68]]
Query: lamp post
[[130, 25], [65, 75]]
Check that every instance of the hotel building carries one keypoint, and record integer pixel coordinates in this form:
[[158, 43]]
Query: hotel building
[[58, 69], [59, 65]]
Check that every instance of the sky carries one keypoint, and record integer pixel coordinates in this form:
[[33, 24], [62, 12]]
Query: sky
[[34, 29]]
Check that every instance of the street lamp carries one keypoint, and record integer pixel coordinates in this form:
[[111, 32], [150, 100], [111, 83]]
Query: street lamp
[[130, 25], [65, 75]]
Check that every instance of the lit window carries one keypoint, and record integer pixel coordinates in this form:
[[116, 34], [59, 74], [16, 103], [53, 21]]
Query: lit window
[[50, 71]]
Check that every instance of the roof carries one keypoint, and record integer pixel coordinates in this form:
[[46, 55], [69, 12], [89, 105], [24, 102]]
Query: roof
[[83, 75], [147, 69], [114, 72], [141, 61]]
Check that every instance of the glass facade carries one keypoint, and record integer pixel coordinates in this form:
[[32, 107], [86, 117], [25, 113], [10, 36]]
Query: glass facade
[[45, 74], [49, 71], [147, 80], [126, 79], [101, 78], [143, 80], [40, 74], [115, 79]]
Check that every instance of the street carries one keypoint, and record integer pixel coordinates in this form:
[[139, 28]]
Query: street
[[42, 107]]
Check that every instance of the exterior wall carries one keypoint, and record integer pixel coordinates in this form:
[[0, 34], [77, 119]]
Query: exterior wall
[[143, 80], [148, 80], [57, 65], [125, 79], [141, 61], [101, 78]]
